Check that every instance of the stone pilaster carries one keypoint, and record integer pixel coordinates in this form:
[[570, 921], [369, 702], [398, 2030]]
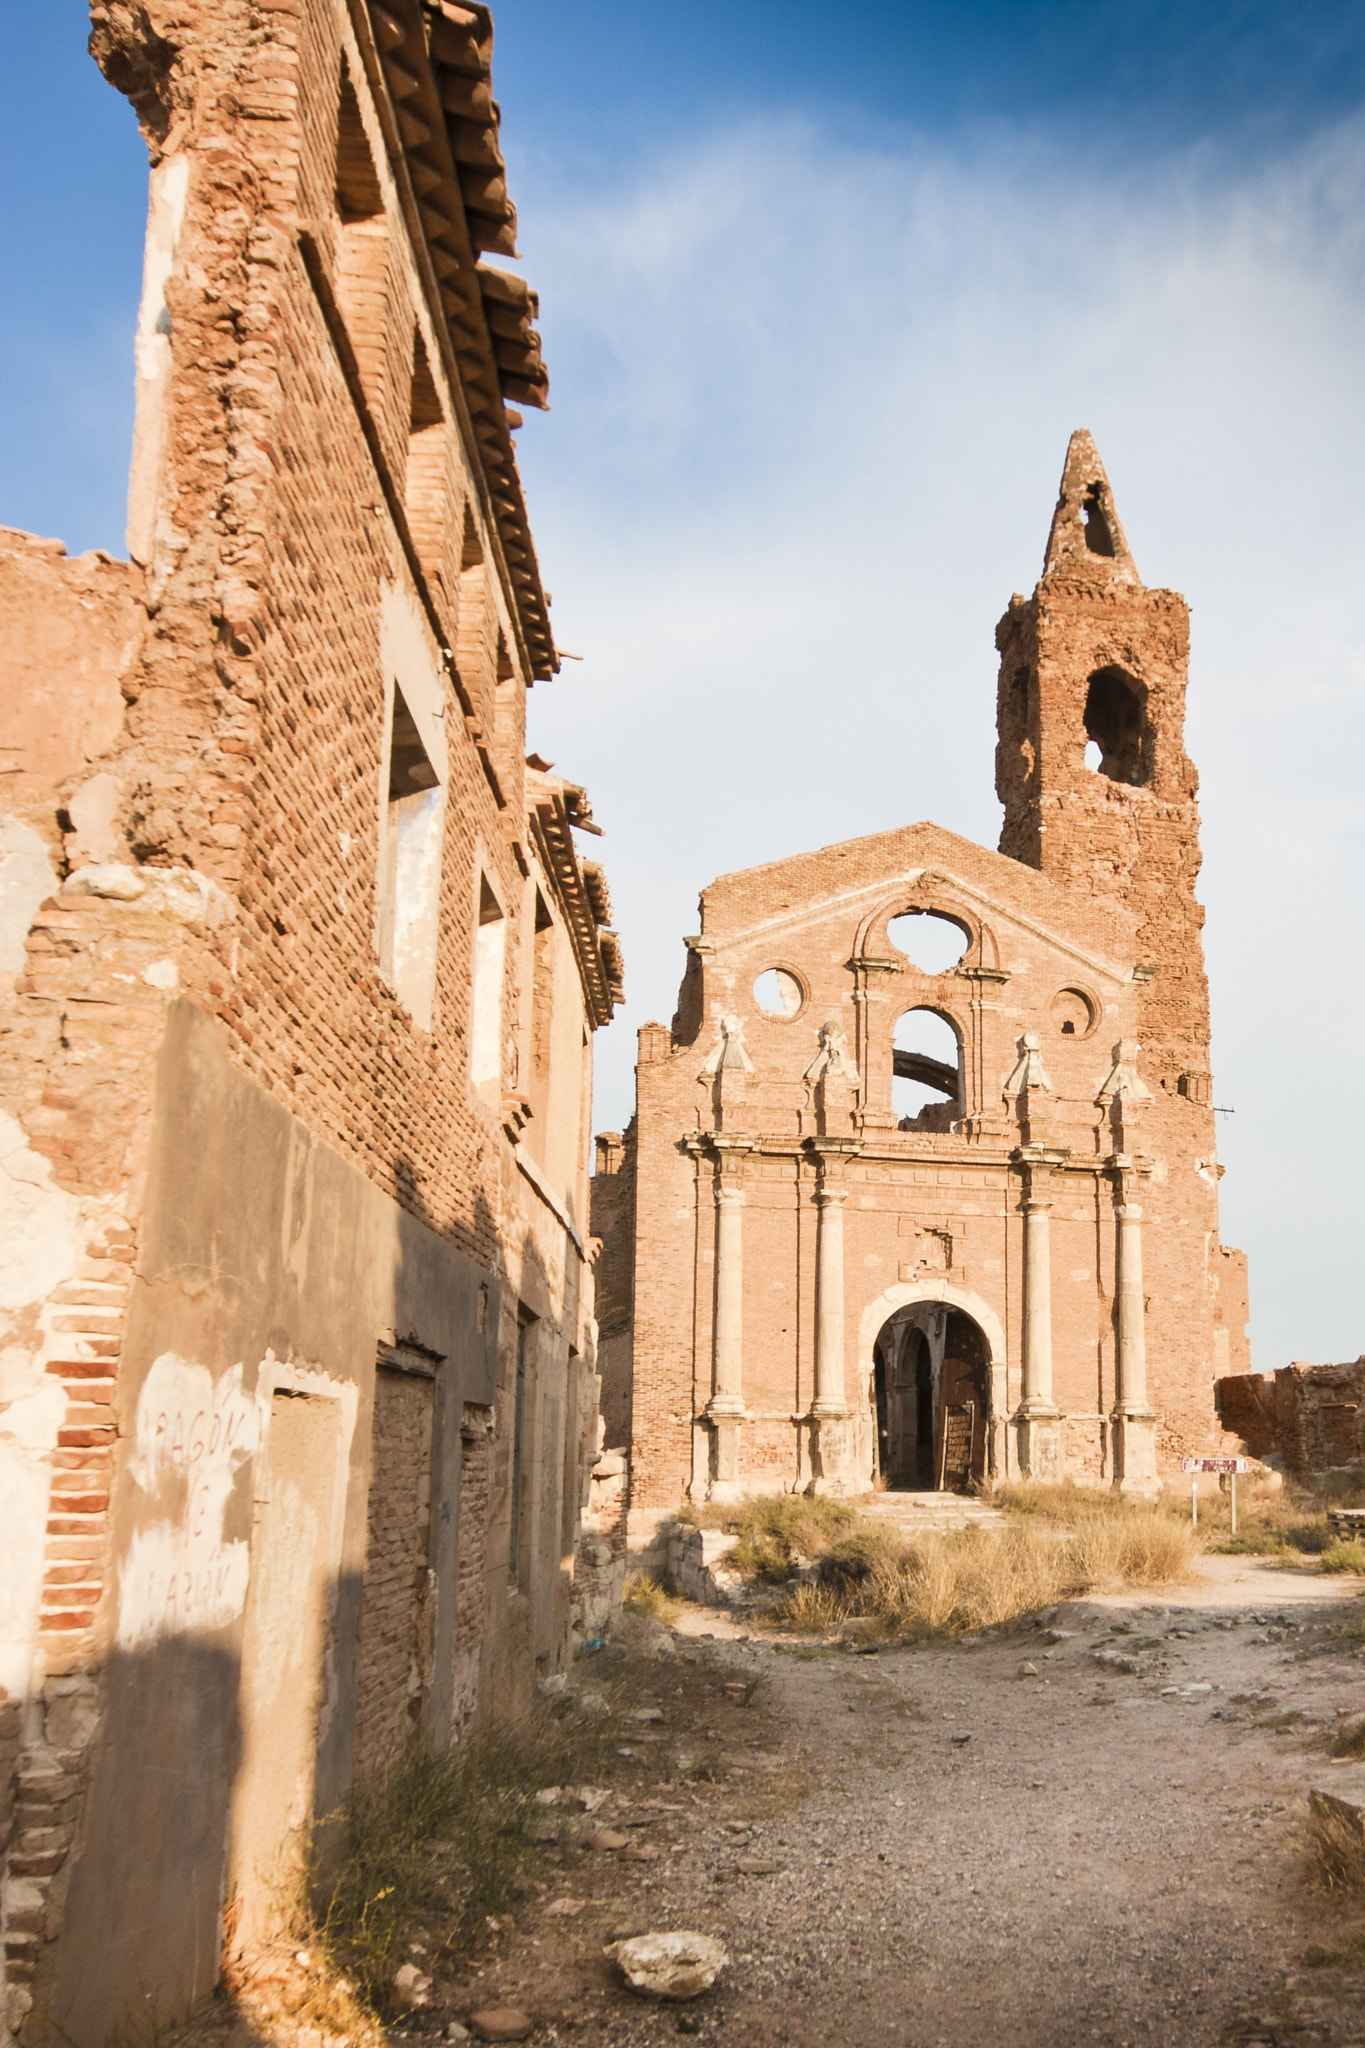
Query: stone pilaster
[[1134, 1419], [725, 1410], [1038, 1423], [833, 1445]]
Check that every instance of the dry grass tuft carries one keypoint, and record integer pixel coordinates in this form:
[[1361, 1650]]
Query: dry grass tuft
[[1064, 1542], [440, 1844], [778, 1532], [644, 1595], [1345, 1557], [1335, 1850]]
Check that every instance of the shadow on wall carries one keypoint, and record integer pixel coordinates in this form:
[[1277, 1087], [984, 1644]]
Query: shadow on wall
[[301, 1363]]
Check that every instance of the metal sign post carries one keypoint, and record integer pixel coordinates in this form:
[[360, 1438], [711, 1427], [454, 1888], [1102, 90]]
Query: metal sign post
[[1231, 1466]]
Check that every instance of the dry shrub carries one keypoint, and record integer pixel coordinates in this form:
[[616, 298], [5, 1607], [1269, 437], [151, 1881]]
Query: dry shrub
[[1335, 1850], [779, 1531], [1350, 1739], [1345, 1557], [644, 1595]]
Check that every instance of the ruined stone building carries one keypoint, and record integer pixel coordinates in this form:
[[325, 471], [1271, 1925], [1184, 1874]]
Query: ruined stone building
[[807, 1280], [301, 969]]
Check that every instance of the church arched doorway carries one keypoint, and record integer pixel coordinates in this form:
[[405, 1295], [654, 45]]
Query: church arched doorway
[[931, 1382]]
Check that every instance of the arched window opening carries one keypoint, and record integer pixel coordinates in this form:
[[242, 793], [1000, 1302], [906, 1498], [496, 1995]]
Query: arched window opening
[[926, 1071], [928, 941], [1099, 534], [778, 993], [1116, 724]]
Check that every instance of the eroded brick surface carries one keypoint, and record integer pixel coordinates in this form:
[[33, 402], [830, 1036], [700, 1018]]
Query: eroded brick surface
[[299, 968]]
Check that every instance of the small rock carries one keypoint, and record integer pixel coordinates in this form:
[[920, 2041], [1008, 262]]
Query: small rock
[[303, 1958], [501, 2023], [548, 1687], [959, 1740], [455, 2032], [411, 1986], [754, 1866], [550, 1796], [593, 1706], [669, 1965], [566, 1909], [639, 1852], [1028, 1670], [590, 1797], [543, 1831], [649, 1713], [606, 1839]]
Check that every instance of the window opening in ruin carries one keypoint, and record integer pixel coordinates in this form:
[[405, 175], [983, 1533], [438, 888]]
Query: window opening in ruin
[[928, 941], [425, 491], [1116, 724], [931, 1399], [362, 243], [1072, 1013], [525, 1337], [410, 867], [926, 1070], [1099, 535], [778, 993], [490, 953]]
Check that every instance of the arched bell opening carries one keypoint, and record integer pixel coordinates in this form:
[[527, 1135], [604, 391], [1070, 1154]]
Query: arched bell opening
[[931, 1387]]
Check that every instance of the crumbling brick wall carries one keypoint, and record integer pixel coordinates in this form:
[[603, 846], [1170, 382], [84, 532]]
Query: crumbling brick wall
[[1309, 1419], [333, 576]]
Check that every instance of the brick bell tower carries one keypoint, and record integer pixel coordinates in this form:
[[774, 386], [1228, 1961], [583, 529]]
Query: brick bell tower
[[1091, 767]]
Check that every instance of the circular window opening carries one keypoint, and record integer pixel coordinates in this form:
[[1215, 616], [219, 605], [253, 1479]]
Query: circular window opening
[[778, 993], [1072, 1013], [929, 942]]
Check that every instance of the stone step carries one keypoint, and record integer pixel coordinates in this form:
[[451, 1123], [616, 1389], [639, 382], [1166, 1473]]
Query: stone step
[[911, 1511]]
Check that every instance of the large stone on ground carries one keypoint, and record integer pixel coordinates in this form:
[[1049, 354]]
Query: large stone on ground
[[669, 1965]]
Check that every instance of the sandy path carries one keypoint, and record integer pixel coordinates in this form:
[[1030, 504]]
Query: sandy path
[[1101, 1859]]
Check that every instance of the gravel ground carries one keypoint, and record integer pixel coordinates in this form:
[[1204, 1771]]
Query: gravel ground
[[1107, 1851]]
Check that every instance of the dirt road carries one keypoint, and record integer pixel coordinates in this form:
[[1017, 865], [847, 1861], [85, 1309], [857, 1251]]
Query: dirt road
[[1106, 1851]]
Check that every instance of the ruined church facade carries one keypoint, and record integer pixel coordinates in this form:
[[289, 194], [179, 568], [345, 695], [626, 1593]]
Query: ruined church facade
[[809, 1284]]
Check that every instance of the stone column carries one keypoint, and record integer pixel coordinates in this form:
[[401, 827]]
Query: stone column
[[1037, 1421], [725, 1410], [1134, 1419], [832, 1448]]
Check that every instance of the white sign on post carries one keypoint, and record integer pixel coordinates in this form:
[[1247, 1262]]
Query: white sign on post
[[1232, 1466]]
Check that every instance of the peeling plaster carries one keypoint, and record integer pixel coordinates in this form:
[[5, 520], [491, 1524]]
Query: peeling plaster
[[180, 1575]]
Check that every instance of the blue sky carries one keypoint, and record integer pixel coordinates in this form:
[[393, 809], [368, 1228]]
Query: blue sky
[[824, 291]]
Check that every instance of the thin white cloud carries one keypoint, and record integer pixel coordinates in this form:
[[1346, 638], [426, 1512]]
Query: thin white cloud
[[811, 405]]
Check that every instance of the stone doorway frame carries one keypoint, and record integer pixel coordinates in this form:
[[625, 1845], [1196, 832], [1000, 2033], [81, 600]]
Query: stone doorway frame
[[900, 1295]]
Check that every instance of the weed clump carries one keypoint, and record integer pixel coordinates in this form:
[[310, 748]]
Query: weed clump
[[644, 1595], [1345, 1557], [440, 1843], [1335, 1850], [779, 1533]]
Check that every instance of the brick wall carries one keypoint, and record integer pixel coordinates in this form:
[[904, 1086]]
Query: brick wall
[[326, 514], [397, 1603]]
